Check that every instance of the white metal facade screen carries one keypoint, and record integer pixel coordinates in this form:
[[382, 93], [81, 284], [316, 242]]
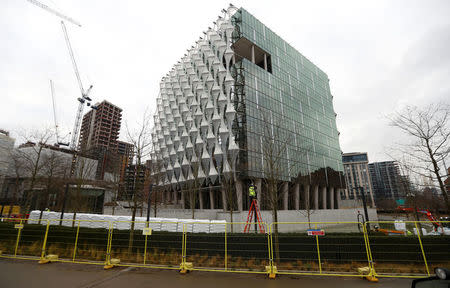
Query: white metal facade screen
[[195, 112]]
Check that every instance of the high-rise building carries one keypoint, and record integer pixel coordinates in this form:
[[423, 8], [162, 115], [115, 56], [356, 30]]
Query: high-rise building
[[125, 151], [99, 136], [241, 88], [100, 127], [356, 166], [386, 180]]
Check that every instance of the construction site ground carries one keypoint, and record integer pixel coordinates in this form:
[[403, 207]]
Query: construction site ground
[[23, 273]]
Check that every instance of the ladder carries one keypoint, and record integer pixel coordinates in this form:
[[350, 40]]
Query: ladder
[[254, 212]]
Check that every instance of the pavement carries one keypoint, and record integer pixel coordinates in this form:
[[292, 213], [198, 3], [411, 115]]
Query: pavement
[[24, 273]]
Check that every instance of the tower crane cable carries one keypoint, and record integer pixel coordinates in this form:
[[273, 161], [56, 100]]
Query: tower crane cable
[[52, 88]]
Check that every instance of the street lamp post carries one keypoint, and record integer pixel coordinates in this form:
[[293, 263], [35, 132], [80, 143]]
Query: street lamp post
[[149, 202]]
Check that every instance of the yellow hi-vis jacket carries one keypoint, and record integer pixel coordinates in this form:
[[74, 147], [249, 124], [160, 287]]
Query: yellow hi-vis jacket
[[251, 191]]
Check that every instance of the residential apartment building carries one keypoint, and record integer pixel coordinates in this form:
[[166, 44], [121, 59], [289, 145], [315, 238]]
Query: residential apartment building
[[357, 177], [386, 180]]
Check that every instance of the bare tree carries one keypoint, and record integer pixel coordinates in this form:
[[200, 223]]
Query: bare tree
[[228, 186], [17, 167], [429, 131], [141, 140], [274, 145], [31, 153], [308, 209], [84, 173], [53, 168]]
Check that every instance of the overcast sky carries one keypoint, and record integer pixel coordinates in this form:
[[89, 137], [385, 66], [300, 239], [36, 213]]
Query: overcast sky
[[379, 56]]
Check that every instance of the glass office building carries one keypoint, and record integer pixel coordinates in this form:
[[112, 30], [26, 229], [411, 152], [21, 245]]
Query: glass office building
[[240, 96]]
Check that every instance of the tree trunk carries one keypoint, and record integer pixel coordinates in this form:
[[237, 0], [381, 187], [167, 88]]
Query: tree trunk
[[73, 218], [155, 204], [130, 243], [438, 176], [276, 245]]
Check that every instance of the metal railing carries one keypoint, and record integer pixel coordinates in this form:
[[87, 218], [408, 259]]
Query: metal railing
[[311, 248]]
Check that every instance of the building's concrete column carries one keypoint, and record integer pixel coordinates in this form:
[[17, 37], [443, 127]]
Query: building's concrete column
[[175, 197], [163, 197], [331, 197], [306, 196], [239, 195], [324, 197], [167, 197], [183, 201], [337, 198], [316, 197], [258, 191], [346, 194], [253, 53], [265, 61], [211, 198], [224, 199], [285, 192], [200, 198], [297, 196]]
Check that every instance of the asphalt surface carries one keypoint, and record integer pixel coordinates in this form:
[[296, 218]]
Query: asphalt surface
[[23, 273]]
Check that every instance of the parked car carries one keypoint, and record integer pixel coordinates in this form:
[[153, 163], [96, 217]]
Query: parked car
[[442, 279]]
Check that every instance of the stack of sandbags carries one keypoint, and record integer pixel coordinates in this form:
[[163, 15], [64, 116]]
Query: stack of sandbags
[[169, 224], [68, 220], [201, 226], [140, 223], [155, 224], [122, 222], [424, 232], [53, 217], [34, 217], [84, 220], [217, 226], [400, 225], [98, 221], [182, 223]]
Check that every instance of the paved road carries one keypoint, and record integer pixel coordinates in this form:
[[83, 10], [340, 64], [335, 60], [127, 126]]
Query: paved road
[[21, 273]]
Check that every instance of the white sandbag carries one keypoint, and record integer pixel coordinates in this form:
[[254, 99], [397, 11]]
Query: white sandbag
[[68, 220], [424, 232], [201, 226], [155, 224], [34, 217], [98, 221], [84, 220], [400, 225], [182, 223], [140, 223], [122, 223], [217, 226], [169, 224]]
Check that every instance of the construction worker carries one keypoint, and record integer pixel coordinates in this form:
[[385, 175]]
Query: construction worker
[[252, 191]]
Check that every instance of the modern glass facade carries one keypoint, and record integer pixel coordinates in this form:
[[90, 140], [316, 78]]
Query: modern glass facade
[[239, 82], [294, 97]]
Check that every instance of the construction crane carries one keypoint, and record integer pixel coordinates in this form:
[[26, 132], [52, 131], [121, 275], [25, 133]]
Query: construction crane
[[58, 143], [84, 93], [84, 99], [53, 11]]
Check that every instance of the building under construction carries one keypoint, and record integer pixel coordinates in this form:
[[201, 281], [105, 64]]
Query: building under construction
[[99, 138]]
